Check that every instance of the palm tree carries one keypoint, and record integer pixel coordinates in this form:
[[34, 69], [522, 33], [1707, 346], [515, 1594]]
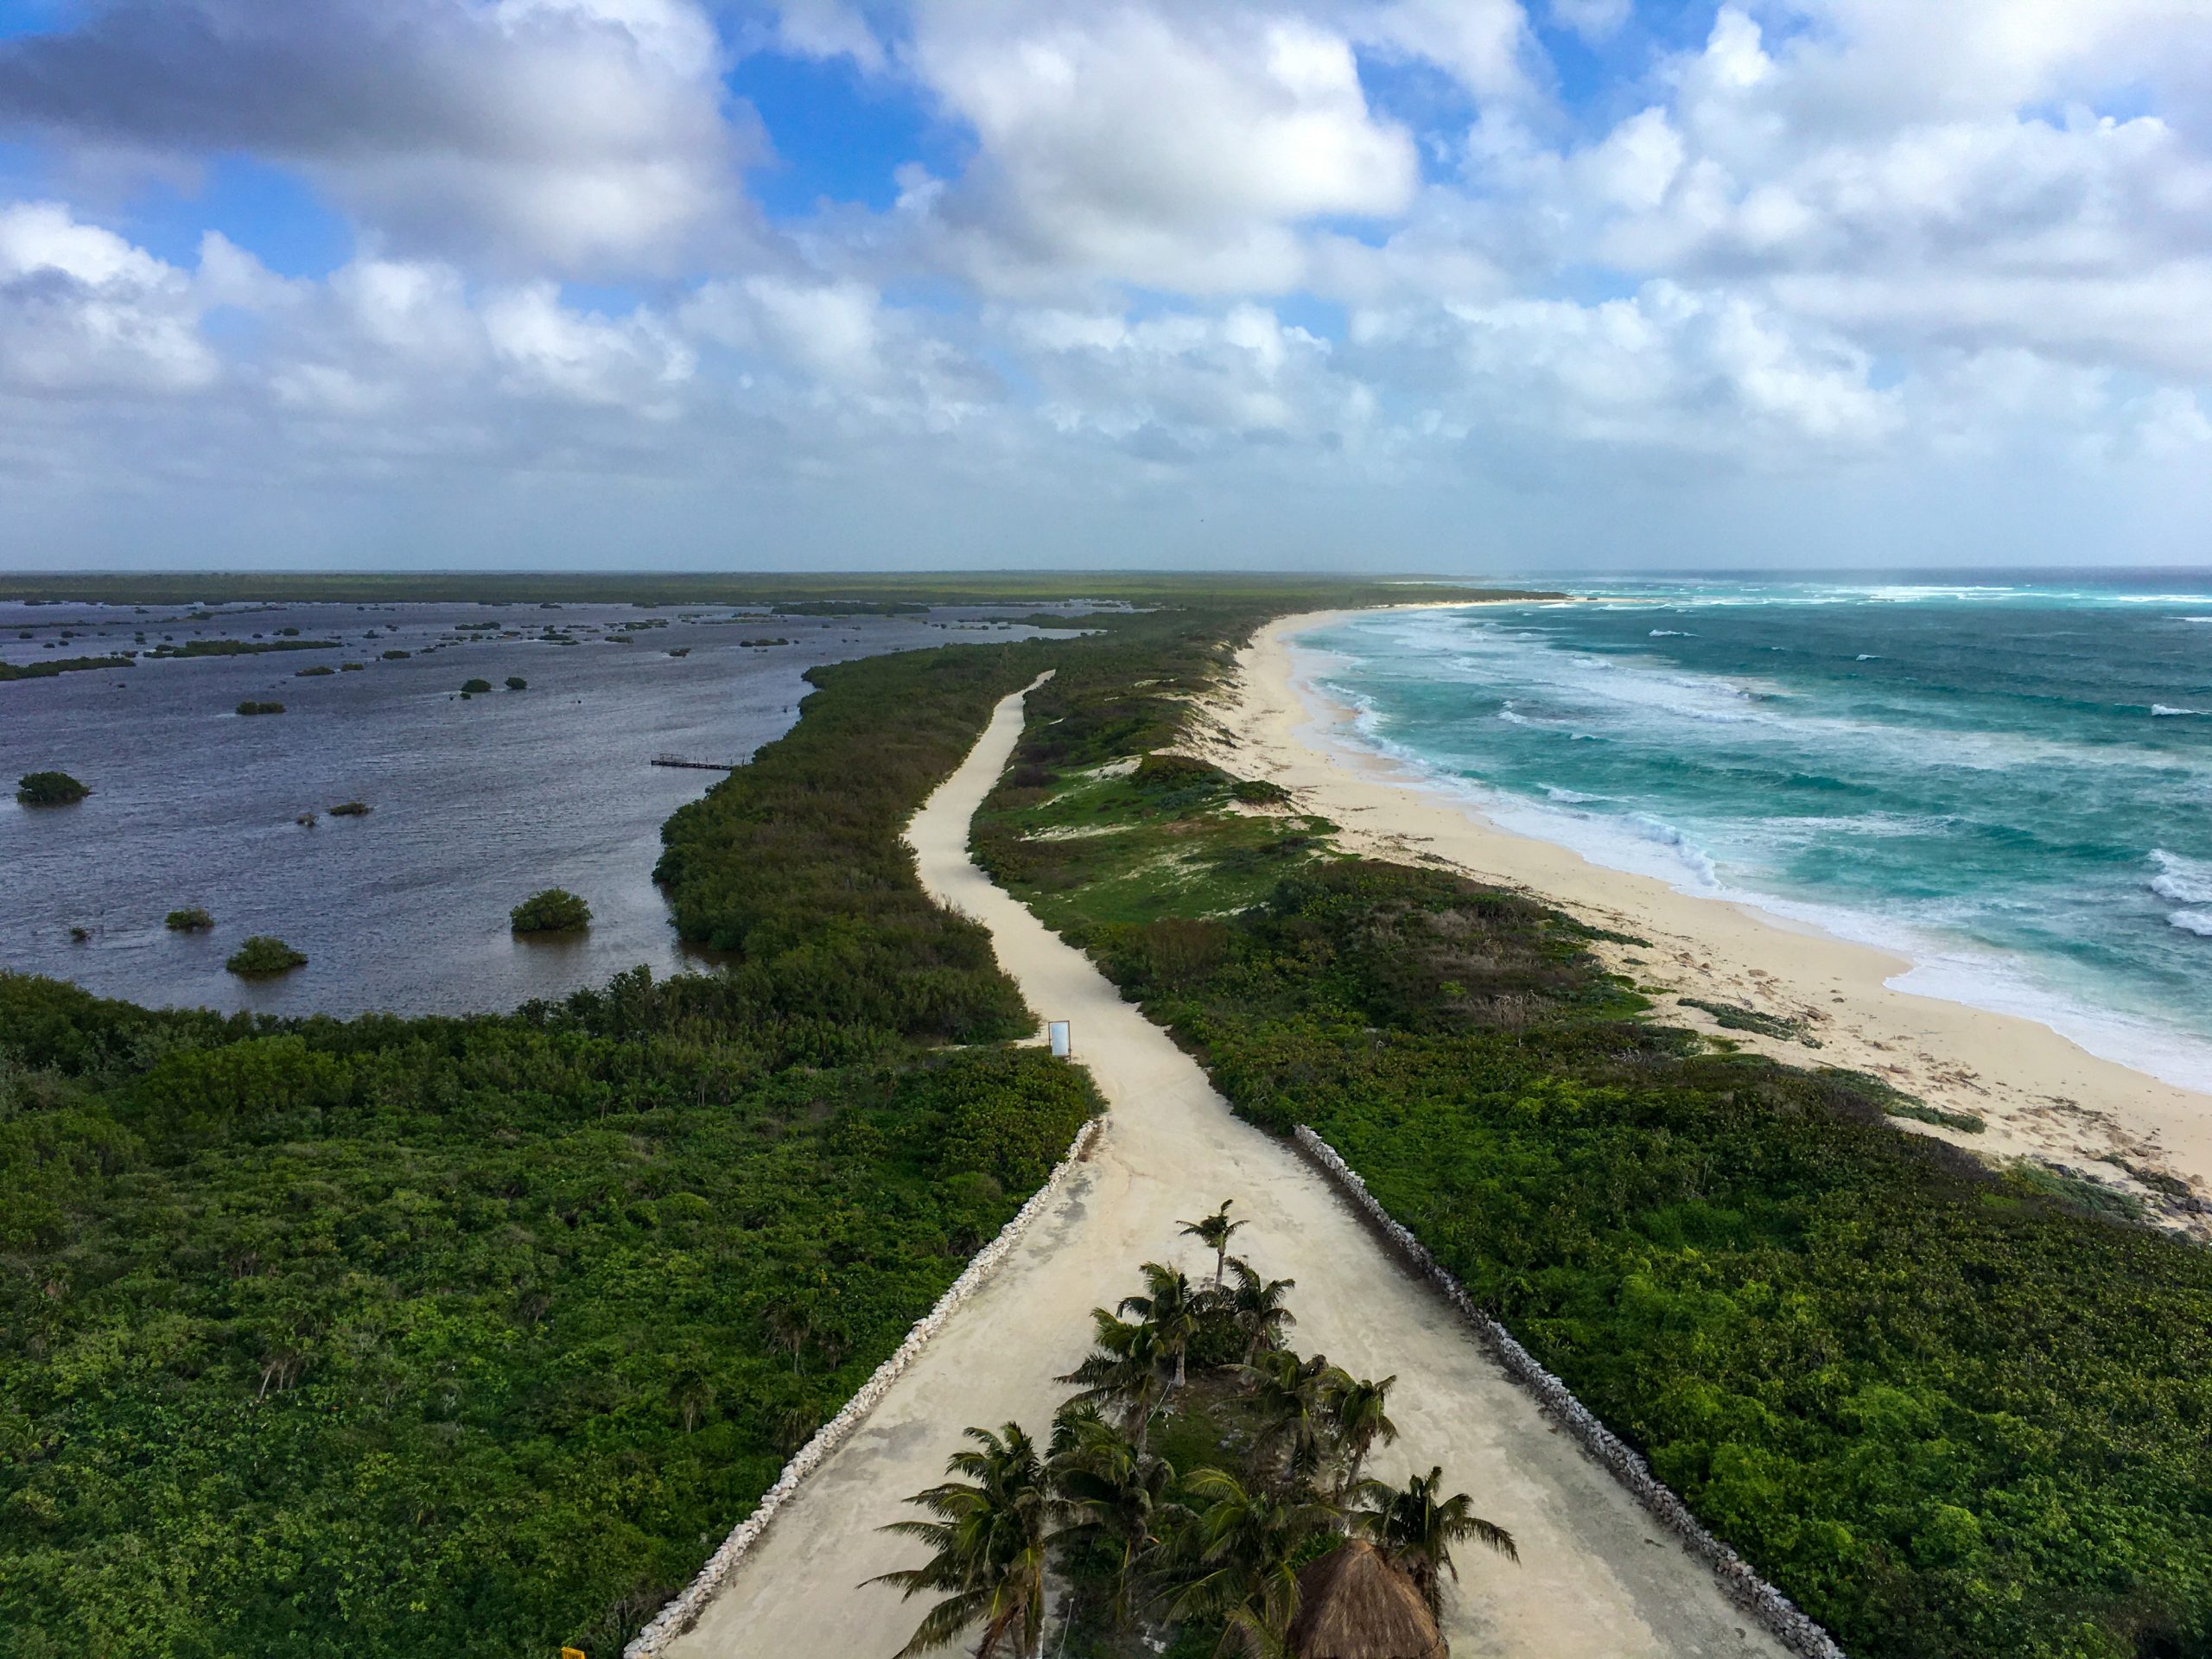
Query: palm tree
[[1416, 1527], [1126, 1369], [1259, 1308], [989, 1542], [1289, 1396], [1216, 1231], [1246, 1546], [1360, 1420], [1113, 1491], [1171, 1308]]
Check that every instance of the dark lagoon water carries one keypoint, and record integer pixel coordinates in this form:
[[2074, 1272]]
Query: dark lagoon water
[[476, 803]]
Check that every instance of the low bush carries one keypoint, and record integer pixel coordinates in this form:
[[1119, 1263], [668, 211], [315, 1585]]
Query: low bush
[[194, 920], [249, 707], [470, 688], [49, 789], [264, 956], [554, 911]]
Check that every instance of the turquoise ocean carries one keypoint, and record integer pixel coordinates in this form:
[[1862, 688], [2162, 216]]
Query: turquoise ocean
[[2009, 780]]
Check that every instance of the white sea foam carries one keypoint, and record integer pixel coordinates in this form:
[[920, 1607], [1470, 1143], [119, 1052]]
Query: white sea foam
[[2164, 710], [2185, 881], [1569, 796], [1669, 633], [1868, 656], [1943, 967]]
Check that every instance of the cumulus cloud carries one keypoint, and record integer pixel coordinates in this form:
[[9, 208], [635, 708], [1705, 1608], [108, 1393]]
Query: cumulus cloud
[[583, 134], [1176, 148], [1146, 258]]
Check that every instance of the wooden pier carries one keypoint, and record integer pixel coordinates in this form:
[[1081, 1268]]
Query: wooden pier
[[696, 766]]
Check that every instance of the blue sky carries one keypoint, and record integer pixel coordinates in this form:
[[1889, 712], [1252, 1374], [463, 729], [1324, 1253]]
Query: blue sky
[[1408, 284]]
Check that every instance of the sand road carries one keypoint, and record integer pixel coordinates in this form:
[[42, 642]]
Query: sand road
[[1595, 1577]]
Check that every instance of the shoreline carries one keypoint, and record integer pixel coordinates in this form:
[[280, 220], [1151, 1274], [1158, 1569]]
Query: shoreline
[[2039, 1095]]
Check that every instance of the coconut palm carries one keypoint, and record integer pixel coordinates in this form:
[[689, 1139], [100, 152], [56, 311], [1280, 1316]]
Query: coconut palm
[[1360, 1421], [1241, 1548], [1289, 1397], [1415, 1527], [1215, 1231], [1173, 1308], [1113, 1493], [1126, 1370], [1259, 1308], [988, 1542]]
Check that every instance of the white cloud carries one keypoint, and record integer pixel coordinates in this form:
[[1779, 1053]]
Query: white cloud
[[82, 311], [1179, 149]]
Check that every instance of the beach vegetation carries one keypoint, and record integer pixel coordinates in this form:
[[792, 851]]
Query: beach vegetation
[[194, 920], [555, 910], [49, 789], [264, 956], [314, 671], [252, 707], [396, 656], [516, 683], [471, 687], [1948, 1408], [350, 810]]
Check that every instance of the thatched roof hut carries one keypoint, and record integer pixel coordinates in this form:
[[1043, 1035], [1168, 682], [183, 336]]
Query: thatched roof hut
[[1354, 1604]]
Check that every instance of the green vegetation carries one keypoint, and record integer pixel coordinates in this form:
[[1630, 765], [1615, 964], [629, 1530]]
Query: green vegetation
[[249, 707], [53, 666], [475, 1336], [49, 789], [1730, 1017], [1950, 1410], [516, 683], [313, 672], [397, 655], [1201, 1492], [264, 956], [352, 668], [410, 1335], [238, 647], [194, 920], [556, 910], [350, 810], [470, 688]]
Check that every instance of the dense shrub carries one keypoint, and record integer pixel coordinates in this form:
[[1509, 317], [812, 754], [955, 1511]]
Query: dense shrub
[[251, 707], [470, 688], [49, 789], [263, 956], [556, 910], [194, 920]]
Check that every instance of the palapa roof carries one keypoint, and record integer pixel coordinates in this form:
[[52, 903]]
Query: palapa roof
[[1354, 1604]]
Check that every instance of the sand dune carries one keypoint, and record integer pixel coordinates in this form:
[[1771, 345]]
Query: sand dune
[[1596, 1578]]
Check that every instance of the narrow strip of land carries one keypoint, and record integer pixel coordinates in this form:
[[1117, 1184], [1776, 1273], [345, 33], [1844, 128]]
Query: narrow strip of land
[[1595, 1577]]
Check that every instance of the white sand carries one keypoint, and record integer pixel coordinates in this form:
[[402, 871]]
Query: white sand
[[2039, 1094], [1597, 1580]]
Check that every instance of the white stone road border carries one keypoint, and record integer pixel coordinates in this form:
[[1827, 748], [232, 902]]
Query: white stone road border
[[1789, 1623], [680, 1614]]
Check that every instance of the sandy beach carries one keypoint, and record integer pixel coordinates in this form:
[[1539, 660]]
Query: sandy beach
[[2039, 1095], [1597, 1578]]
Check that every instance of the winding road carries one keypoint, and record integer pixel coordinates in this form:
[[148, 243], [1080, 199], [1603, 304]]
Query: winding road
[[1596, 1578]]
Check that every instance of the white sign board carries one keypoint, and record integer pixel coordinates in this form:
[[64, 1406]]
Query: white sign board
[[1063, 1042]]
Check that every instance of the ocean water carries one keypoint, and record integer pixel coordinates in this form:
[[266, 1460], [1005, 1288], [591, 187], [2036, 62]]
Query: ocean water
[[2010, 781], [476, 803]]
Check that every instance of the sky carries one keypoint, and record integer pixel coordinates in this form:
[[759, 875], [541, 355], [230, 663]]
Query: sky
[[1454, 286]]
